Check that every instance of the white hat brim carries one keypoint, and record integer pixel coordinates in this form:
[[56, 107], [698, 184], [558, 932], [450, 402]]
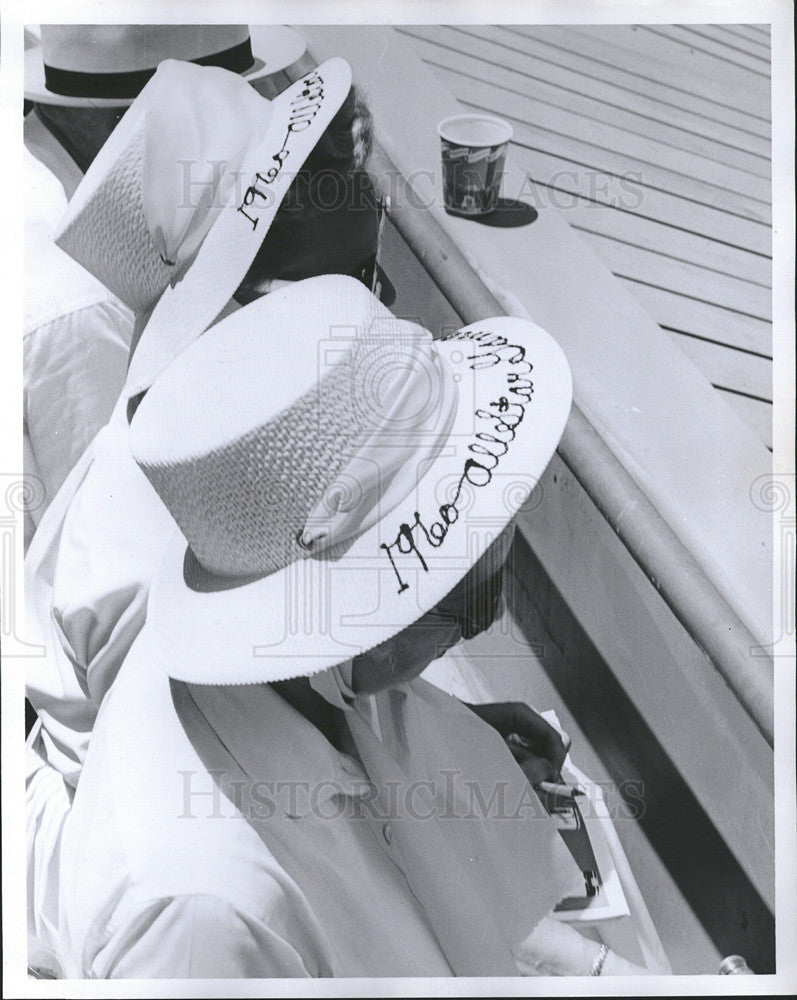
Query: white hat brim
[[274, 48], [319, 612]]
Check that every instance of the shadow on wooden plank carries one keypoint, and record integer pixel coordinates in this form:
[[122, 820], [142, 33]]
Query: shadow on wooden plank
[[509, 213]]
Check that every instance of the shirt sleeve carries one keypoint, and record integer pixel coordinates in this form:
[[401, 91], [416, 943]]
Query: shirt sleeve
[[86, 603], [196, 937]]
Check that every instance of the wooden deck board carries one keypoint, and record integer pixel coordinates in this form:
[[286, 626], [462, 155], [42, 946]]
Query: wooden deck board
[[729, 369], [746, 374], [669, 242], [654, 142], [599, 59], [719, 33], [695, 282], [602, 101], [756, 34], [720, 52], [676, 171], [704, 320], [615, 86], [754, 413], [641, 50]]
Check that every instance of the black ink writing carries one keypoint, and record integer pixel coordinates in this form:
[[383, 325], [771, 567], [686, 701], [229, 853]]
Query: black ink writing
[[491, 445], [302, 110]]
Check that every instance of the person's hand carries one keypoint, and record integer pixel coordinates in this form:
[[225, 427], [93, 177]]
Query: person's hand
[[557, 949], [536, 745]]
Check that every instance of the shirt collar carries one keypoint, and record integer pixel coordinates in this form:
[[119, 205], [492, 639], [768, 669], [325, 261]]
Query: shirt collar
[[334, 685]]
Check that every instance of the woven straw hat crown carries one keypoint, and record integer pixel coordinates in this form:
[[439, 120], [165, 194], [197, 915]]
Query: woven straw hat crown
[[106, 227], [243, 436], [128, 264]]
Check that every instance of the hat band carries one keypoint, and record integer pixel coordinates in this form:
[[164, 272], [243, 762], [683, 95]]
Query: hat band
[[76, 83], [389, 464]]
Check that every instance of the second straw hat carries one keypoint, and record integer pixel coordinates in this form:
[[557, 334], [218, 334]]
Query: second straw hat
[[334, 473], [185, 153]]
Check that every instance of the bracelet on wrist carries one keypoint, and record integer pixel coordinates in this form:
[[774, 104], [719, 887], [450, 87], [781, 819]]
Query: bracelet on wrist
[[600, 958]]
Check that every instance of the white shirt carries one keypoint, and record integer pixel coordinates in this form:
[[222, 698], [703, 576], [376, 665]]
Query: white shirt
[[75, 351], [184, 856], [87, 579], [77, 334]]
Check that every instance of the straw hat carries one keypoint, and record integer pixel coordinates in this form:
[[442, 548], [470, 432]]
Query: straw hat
[[106, 65], [334, 473], [170, 167], [176, 204]]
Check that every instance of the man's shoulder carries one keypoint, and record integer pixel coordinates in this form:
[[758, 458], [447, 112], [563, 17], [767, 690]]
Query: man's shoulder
[[153, 807]]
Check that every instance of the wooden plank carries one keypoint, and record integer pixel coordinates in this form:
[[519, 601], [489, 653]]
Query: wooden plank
[[665, 240], [702, 320], [578, 74], [671, 169], [618, 65], [757, 415], [752, 32], [699, 72], [684, 279], [552, 181], [485, 60], [579, 140], [718, 33], [562, 178], [736, 370], [697, 43]]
